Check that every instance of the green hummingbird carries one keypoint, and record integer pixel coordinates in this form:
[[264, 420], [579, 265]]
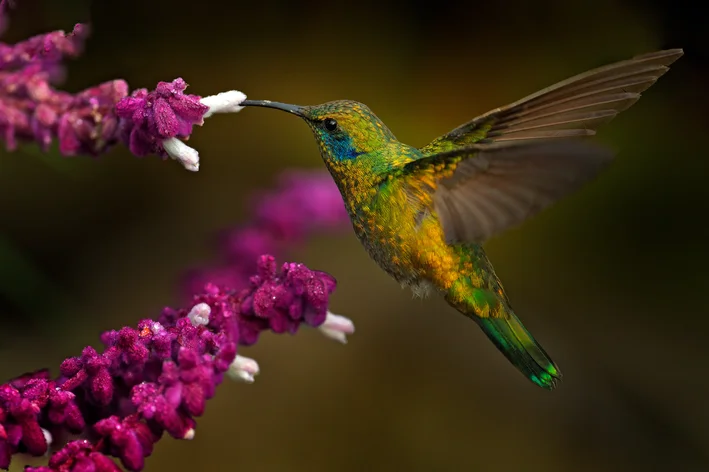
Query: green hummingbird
[[423, 213]]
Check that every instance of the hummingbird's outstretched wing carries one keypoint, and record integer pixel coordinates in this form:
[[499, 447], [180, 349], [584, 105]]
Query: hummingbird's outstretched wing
[[573, 107], [483, 189]]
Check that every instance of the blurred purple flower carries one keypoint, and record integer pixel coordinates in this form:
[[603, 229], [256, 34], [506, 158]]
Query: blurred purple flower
[[92, 121], [156, 378], [304, 203]]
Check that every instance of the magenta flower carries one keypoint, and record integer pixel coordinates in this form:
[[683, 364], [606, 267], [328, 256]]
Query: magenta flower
[[92, 121], [157, 377], [304, 203], [156, 122]]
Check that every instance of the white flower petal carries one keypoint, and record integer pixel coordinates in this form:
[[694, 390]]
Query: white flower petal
[[47, 437], [199, 314], [178, 150], [337, 327], [243, 369], [157, 328], [225, 102]]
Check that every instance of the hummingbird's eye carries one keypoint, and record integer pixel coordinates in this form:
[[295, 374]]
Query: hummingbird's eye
[[330, 124]]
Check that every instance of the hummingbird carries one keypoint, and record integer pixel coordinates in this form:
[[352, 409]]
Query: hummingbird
[[423, 214]]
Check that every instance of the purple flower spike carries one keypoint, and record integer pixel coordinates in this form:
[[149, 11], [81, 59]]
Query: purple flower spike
[[159, 377], [151, 118], [88, 125], [94, 120], [129, 439], [20, 407], [156, 122], [91, 368], [306, 200], [32, 110], [283, 301], [304, 203], [44, 48], [78, 456]]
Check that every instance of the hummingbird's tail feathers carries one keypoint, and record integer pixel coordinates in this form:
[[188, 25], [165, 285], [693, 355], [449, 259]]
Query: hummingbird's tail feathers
[[521, 349]]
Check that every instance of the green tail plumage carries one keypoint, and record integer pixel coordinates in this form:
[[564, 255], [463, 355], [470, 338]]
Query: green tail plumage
[[515, 342]]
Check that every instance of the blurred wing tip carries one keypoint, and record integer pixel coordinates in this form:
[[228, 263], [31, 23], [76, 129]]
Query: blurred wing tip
[[604, 154], [662, 53], [566, 145], [669, 55], [571, 108], [542, 136]]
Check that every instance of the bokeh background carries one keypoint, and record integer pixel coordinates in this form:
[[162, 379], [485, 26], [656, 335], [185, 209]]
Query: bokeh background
[[613, 280]]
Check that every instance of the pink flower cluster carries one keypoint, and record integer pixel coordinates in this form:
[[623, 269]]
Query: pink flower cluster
[[156, 378], [94, 120], [303, 203]]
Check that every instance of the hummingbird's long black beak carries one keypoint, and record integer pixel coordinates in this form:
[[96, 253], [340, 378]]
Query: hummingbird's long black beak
[[295, 109]]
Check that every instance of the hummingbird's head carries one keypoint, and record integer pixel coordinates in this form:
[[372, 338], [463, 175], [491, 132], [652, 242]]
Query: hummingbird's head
[[344, 129]]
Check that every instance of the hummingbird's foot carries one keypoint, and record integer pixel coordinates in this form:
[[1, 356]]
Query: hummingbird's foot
[[243, 369], [337, 327]]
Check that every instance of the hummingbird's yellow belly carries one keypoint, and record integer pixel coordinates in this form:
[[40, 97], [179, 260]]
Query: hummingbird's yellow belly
[[407, 240]]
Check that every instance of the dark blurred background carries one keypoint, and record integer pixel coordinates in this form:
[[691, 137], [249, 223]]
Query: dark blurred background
[[613, 281]]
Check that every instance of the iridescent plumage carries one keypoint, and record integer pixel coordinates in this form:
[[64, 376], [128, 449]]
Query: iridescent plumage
[[423, 214]]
